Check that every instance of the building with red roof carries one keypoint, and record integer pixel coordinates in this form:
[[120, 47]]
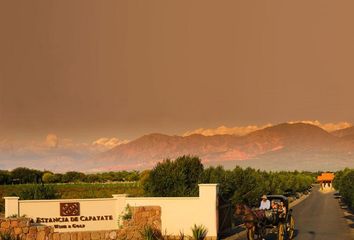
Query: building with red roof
[[326, 180]]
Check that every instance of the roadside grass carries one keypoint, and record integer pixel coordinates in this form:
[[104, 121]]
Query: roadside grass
[[79, 190]]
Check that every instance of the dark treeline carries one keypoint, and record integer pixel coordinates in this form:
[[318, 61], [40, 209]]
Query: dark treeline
[[181, 177], [26, 176], [344, 183], [176, 178]]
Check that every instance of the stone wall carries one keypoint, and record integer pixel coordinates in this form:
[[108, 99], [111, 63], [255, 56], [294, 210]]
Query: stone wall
[[141, 217], [25, 229]]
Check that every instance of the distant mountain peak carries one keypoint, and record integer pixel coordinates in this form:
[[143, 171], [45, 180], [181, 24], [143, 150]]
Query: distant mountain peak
[[288, 142], [291, 129], [344, 132]]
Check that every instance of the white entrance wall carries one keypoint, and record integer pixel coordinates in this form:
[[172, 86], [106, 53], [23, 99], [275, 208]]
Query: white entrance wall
[[47, 212], [178, 214]]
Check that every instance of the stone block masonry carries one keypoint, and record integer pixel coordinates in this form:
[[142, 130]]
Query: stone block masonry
[[25, 229], [141, 217]]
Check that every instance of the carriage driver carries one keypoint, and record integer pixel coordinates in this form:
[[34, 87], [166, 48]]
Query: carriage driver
[[265, 203]]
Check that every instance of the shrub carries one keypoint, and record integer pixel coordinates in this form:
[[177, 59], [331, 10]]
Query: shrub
[[33, 192], [2, 206], [7, 236], [199, 232], [127, 214], [149, 233], [181, 236]]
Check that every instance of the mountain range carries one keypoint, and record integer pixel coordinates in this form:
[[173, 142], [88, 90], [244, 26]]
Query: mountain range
[[287, 146]]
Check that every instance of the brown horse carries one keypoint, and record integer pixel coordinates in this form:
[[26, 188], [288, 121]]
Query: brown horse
[[252, 219]]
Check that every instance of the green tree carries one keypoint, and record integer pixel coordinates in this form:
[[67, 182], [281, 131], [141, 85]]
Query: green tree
[[73, 177], [346, 186], [132, 176], [26, 175], [92, 178], [57, 178], [225, 179], [250, 187], [143, 177], [5, 177], [337, 182], [48, 177], [175, 178]]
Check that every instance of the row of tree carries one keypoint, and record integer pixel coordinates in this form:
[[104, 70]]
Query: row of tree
[[176, 178], [25, 175], [344, 183], [181, 177]]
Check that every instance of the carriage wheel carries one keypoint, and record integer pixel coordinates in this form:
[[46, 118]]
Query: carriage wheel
[[281, 231], [290, 227], [250, 233]]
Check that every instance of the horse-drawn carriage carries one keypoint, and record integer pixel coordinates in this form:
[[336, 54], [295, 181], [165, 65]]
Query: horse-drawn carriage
[[278, 219]]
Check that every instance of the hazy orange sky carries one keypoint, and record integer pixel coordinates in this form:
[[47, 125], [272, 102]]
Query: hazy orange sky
[[87, 69]]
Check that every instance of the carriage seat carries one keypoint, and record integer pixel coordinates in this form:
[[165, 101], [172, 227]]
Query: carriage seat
[[270, 216]]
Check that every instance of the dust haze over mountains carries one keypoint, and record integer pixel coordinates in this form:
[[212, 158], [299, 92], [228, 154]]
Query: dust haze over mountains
[[82, 81], [287, 146]]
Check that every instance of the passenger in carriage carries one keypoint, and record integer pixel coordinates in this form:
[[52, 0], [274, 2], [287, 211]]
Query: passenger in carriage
[[274, 205], [282, 208], [265, 203]]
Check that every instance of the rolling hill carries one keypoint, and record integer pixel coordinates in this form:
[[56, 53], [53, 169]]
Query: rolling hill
[[281, 147]]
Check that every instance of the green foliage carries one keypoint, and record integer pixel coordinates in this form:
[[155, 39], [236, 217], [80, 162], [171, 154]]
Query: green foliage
[[2, 206], [48, 177], [338, 178], [77, 190], [121, 176], [250, 186], [26, 175], [5, 177], [175, 178], [181, 177], [344, 183], [144, 176], [98, 190], [72, 177], [247, 185], [169, 178], [7, 236], [149, 233], [127, 213], [199, 232], [181, 235], [38, 192]]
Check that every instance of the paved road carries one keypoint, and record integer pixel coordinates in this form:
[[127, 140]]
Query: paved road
[[319, 217]]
